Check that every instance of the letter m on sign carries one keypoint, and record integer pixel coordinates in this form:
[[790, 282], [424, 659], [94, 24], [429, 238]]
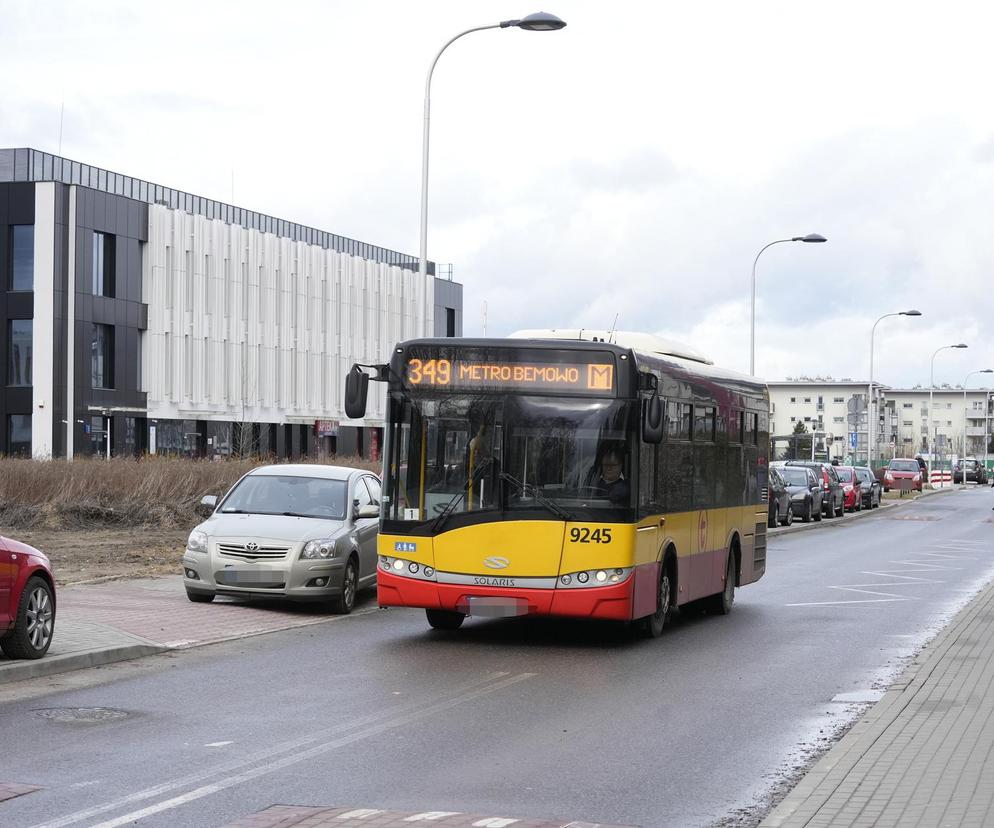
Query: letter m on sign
[[600, 377]]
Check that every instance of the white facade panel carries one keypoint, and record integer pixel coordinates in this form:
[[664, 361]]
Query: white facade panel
[[249, 326], [43, 326]]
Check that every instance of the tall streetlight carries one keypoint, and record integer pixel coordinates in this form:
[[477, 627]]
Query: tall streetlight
[[810, 238], [931, 387], [538, 22], [981, 371], [872, 398]]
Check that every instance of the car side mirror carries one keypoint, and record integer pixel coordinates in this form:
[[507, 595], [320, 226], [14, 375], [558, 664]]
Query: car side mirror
[[370, 510], [208, 503]]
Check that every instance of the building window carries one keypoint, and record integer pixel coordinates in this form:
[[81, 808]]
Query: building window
[[102, 357], [907, 423], [102, 270], [450, 321], [19, 335], [22, 259], [909, 405], [793, 399], [838, 399], [807, 399], [838, 419], [19, 434]]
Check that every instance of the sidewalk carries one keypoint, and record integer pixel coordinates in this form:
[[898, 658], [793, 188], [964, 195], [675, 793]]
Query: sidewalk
[[117, 620], [924, 754]]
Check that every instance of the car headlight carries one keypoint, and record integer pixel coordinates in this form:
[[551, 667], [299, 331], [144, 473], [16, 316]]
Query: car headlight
[[197, 542], [319, 549]]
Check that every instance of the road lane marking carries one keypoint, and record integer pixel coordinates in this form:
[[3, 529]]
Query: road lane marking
[[265, 754], [319, 749], [430, 816], [494, 822], [218, 744], [361, 813], [836, 603]]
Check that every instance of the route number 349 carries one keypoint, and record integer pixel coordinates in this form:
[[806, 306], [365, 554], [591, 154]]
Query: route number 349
[[581, 534]]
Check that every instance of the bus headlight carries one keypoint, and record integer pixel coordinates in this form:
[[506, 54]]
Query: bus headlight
[[595, 578], [582, 577], [407, 569], [601, 575]]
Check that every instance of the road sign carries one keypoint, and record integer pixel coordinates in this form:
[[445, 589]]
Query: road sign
[[852, 439]]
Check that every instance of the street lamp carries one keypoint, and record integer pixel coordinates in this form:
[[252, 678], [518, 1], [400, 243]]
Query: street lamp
[[872, 398], [963, 467], [811, 238], [931, 388], [538, 22]]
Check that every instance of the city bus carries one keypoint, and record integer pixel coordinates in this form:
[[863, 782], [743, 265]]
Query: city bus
[[570, 473]]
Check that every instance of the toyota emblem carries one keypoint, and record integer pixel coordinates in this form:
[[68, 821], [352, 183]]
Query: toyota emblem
[[251, 546]]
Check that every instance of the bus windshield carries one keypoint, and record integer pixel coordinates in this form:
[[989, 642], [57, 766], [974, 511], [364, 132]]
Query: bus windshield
[[508, 453]]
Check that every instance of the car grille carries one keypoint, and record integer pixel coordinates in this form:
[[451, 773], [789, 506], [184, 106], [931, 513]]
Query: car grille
[[262, 553]]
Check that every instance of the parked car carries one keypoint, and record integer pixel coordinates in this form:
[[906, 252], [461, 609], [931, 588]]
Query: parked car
[[871, 489], [902, 468], [831, 489], [852, 495], [27, 600], [805, 492], [975, 471], [781, 509], [298, 532]]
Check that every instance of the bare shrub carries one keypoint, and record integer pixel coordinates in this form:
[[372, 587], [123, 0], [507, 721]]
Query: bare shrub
[[153, 491]]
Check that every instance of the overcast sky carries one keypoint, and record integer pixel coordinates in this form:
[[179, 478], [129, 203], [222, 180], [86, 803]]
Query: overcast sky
[[632, 164]]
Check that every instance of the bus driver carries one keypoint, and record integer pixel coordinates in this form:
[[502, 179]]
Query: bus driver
[[611, 481]]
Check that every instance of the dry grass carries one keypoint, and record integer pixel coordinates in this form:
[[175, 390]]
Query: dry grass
[[95, 493]]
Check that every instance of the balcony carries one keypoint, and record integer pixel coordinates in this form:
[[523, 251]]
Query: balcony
[[975, 431]]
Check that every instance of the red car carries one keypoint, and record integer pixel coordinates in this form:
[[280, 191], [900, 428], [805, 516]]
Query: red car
[[27, 600], [852, 492], [903, 469]]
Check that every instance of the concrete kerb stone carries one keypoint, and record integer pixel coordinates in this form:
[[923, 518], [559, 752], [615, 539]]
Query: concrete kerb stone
[[844, 519], [805, 800], [50, 666]]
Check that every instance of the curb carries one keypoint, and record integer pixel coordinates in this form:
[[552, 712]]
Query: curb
[[46, 666], [863, 513]]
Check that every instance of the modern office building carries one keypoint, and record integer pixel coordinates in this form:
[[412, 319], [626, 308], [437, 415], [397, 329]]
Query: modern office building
[[138, 318], [961, 421]]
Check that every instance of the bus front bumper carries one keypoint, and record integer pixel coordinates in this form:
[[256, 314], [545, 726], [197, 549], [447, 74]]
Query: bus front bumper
[[612, 602]]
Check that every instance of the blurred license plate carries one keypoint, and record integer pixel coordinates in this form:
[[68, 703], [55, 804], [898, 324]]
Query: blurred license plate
[[487, 606], [249, 576]]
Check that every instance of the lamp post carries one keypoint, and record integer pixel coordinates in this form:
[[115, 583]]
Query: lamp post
[[871, 420], [962, 466], [931, 387], [538, 22], [811, 238]]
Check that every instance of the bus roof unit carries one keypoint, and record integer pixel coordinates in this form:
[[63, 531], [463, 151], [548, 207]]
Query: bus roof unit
[[647, 343]]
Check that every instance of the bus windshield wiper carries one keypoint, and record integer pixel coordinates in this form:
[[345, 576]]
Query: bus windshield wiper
[[551, 505], [450, 507]]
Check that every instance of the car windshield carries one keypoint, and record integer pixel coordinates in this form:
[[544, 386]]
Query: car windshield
[[845, 475], [864, 474], [266, 494], [795, 477], [469, 453], [904, 465]]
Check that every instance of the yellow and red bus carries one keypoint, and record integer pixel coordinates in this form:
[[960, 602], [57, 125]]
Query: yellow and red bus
[[570, 473]]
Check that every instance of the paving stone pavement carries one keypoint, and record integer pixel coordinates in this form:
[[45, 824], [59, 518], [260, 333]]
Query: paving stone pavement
[[924, 754], [116, 620], [284, 816]]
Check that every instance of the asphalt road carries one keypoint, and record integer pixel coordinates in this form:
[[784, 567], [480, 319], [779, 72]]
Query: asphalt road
[[518, 718]]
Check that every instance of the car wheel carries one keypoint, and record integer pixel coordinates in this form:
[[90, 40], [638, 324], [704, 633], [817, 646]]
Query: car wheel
[[34, 623], [444, 619], [806, 517], [344, 602], [830, 509], [789, 517], [200, 597], [817, 514]]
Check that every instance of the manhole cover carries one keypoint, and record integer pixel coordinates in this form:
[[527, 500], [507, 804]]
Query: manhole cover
[[81, 715]]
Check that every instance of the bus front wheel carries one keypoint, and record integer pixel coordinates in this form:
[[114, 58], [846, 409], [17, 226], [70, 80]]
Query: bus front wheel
[[444, 620], [653, 625], [721, 603]]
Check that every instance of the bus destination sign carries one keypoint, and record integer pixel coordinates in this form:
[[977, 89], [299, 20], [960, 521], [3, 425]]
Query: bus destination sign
[[454, 374]]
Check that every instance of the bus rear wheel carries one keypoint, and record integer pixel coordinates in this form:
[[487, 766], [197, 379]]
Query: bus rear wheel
[[652, 626], [444, 619], [721, 603]]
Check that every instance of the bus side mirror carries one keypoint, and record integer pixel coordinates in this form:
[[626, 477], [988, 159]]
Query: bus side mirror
[[356, 391], [652, 420]]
